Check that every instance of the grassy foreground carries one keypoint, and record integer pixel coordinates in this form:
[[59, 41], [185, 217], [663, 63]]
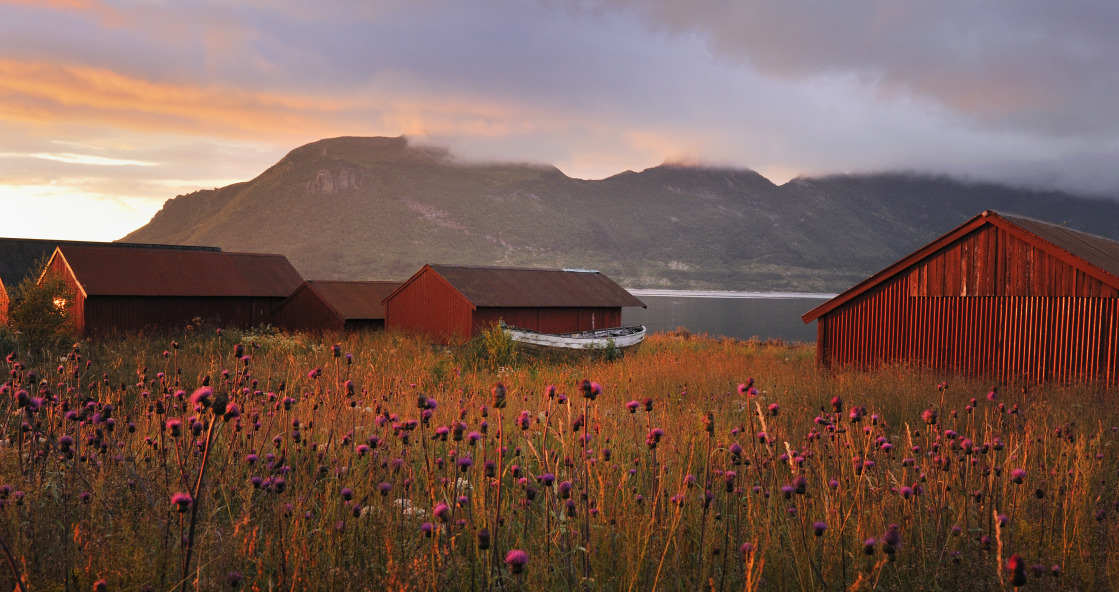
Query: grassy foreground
[[387, 462]]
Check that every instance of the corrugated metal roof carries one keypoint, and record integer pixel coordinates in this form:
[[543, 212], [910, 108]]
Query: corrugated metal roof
[[1099, 251], [528, 287], [122, 271], [19, 256], [355, 300]]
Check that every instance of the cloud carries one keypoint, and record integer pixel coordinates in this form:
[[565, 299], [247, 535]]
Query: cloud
[[1020, 92], [1051, 68]]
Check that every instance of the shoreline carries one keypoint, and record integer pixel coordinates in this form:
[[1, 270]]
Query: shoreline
[[730, 294]]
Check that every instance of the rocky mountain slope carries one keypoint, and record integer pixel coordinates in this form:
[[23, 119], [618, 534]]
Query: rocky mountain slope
[[378, 208]]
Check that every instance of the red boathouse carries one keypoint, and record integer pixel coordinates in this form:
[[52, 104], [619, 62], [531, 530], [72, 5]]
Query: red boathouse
[[453, 301], [21, 258], [321, 305], [129, 289], [1001, 296]]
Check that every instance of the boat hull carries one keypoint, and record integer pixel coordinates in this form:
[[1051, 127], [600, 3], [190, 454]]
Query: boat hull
[[622, 338]]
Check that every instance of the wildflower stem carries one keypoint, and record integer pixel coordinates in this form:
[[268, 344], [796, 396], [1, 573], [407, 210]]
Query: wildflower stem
[[12, 564], [197, 502]]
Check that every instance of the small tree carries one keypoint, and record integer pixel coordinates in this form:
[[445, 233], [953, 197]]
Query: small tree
[[41, 312]]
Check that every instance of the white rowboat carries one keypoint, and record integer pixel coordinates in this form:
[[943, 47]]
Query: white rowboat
[[619, 337]]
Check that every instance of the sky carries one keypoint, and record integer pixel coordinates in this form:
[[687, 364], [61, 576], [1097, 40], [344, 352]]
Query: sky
[[110, 107]]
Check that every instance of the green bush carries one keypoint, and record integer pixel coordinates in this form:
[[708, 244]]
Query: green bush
[[490, 349], [40, 313]]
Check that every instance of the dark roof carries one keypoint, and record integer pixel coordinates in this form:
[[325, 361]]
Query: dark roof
[[1096, 250], [121, 271], [528, 287], [18, 256], [354, 300], [1094, 255]]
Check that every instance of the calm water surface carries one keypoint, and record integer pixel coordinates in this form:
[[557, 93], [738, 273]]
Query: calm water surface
[[765, 315]]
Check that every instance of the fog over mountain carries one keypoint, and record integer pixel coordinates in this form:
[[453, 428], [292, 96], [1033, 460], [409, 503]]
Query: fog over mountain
[[379, 208]]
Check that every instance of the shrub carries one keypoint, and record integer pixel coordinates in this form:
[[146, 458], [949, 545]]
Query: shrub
[[491, 349], [40, 313]]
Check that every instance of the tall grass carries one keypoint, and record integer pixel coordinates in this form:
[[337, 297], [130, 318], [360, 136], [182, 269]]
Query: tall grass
[[390, 462]]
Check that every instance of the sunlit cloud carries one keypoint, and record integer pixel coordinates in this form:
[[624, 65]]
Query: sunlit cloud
[[137, 100], [81, 159]]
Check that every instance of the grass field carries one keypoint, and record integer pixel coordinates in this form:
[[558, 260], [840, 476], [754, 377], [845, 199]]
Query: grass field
[[389, 462]]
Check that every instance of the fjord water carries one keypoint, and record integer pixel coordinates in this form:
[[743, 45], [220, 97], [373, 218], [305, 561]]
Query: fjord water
[[742, 315]]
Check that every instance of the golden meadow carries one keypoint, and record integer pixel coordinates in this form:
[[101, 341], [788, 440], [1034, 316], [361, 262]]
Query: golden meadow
[[225, 460]]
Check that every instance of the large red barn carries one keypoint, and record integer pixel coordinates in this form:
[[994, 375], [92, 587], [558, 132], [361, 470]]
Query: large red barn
[[452, 301], [1001, 296], [321, 305], [127, 289]]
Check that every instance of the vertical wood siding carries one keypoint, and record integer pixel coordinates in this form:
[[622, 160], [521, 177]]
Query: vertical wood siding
[[76, 308], [986, 305], [428, 304], [306, 311], [551, 320], [102, 314]]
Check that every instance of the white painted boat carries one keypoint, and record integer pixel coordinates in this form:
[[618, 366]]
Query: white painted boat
[[620, 337]]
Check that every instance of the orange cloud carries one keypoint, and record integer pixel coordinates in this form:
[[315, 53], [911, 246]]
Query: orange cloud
[[108, 15], [50, 93], [80, 5]]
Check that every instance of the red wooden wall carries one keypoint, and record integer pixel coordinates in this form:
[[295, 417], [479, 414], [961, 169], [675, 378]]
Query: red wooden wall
[[134, 313], [306, 311], [428, 304], [550, 320], [4, 302], [988, 304]]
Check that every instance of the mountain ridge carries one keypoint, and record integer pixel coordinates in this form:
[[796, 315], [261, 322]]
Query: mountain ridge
[[379, 208]]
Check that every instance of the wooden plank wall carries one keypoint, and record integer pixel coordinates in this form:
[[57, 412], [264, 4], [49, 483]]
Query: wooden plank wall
[[1036, 339], [428, 304], [991, 262], [989, 304]]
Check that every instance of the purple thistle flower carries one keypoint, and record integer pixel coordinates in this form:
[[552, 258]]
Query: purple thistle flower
[[441, 512], [632, 406], [868, 546], [1018, 475], [1017, 568], [516, 560], [202, 396], [818, 528], [182, 501]]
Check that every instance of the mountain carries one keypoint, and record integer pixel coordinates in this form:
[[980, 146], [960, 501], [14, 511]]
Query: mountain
[[379, 208]]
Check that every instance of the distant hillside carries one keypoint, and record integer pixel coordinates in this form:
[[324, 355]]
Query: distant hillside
[[377, 208]]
